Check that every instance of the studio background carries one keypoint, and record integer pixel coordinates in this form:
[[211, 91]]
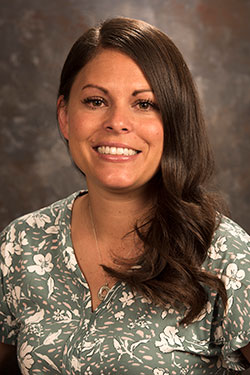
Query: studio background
[[213, 36], [35, 36]]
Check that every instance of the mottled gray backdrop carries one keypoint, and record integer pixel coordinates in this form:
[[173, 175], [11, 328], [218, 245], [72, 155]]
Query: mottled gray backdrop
[[214, 37]]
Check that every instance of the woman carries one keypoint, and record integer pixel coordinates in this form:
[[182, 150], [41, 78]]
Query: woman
[[140, 274]]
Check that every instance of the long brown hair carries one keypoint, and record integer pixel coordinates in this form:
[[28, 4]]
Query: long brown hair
[[179, 229]]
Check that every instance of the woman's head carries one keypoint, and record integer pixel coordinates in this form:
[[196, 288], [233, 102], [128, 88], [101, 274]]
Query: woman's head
[[112, 124], [186, 158]]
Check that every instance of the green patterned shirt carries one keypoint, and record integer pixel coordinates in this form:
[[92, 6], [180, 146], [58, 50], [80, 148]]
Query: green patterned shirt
[[45, 309]]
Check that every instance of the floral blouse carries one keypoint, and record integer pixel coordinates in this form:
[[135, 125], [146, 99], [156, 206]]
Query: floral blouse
[[45, 309]]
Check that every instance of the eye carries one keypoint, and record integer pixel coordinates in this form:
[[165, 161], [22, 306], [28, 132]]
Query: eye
[[94, 102], [146, 105]]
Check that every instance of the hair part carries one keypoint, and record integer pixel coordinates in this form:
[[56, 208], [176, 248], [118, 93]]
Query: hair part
[[179, 229]]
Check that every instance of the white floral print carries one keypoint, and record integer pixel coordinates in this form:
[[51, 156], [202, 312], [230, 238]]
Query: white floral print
[[74, 297], [235, 230], [36, 330], [22, 240], [229, 305], [127, 299], [119, 315], [123, 347], [26, 359], [61, 315], [233, 277], [52, 338], [38, 220], [7, 251], [35, 318], [141, 322], [69, 258], [216, 250], [170, 340], [51, 286], [42, 264]]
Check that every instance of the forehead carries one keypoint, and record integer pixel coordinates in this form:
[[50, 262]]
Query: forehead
[[112, 66], [107, 56]]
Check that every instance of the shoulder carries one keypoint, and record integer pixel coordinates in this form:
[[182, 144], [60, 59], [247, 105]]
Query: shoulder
[[230, 242], [232, 230], [30, 228], [36, 232], [229, 258], [229, 253], [42, 218]]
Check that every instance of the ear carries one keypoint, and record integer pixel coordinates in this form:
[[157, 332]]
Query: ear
[[62, 117]]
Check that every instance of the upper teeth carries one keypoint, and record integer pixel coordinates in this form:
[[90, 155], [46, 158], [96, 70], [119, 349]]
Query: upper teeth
[[116, 150]]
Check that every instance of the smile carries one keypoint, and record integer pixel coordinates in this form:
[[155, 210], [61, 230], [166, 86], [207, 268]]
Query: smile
[[116, 150]]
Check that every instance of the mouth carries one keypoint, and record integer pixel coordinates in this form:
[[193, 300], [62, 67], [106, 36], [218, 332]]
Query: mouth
[[111, 150]]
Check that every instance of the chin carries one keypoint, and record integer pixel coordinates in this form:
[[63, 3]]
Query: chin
[[116, 181], [120, 187]]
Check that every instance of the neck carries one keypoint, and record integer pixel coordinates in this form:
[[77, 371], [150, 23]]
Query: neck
[[116, 214]]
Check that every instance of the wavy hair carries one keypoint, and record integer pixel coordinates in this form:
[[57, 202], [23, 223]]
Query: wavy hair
[[178, 231]]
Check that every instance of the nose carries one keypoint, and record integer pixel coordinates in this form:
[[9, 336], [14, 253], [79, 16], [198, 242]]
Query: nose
[[118, 121]]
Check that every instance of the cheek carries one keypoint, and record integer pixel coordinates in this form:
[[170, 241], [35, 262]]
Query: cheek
[[158, 143], [77, 128], [156, 136]]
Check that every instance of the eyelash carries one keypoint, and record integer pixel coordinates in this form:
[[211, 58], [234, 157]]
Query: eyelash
[[152, 104], [91, 102]]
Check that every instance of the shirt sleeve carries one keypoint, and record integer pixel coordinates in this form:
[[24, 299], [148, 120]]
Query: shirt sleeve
[[8, 291], [231, 252]]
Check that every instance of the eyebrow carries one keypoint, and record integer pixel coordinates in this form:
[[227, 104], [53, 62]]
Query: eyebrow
[[136, 92], [95, 87]]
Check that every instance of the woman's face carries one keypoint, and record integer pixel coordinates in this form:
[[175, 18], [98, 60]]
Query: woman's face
[[112, 123]]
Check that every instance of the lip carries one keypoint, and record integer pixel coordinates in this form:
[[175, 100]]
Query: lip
[[116, 158]]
